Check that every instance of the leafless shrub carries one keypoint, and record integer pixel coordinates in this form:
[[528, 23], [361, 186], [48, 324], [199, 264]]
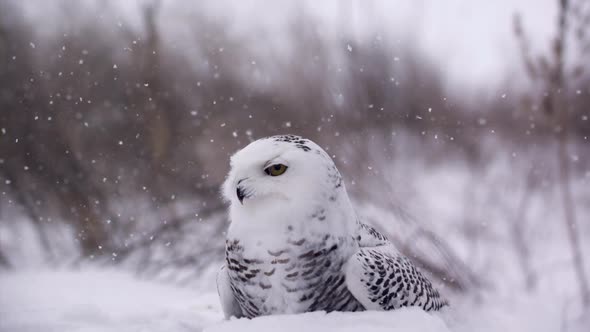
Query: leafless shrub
[[556, 78]]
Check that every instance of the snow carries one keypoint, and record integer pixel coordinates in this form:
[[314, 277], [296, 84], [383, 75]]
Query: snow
[[406, 320], [114, 300], [99, 301]]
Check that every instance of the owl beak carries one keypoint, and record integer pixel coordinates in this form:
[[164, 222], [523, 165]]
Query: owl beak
[[241, 194]]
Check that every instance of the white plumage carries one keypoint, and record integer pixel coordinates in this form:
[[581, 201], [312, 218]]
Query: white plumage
[[295, 243]]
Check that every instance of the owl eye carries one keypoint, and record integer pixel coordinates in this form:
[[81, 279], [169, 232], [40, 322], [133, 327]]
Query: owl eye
[[275, 170]]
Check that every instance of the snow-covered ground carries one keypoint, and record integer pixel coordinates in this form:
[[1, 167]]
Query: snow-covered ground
[[409, 320], [109, 300], [97, 300]]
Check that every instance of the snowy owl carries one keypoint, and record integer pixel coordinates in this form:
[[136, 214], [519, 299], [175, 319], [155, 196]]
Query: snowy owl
[[295, 243]]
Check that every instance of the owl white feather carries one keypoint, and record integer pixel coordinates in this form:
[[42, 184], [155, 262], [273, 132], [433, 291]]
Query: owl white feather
[[295, 243]]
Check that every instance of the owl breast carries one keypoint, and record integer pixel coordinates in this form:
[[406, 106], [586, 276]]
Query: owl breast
[[301, 275]]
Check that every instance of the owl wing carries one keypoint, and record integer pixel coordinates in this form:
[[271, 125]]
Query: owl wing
[[229, 304], [380, 278]]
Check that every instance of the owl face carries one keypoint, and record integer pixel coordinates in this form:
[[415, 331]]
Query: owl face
[[279, 170]]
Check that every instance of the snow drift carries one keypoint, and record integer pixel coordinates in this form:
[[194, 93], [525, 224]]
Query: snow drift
[[402, 320]]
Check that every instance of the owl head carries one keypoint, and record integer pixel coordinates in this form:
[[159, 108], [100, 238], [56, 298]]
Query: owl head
[[281, 170]]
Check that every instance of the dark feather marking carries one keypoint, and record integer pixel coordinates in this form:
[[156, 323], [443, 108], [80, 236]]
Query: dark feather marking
[[277, 253], [297, 243]]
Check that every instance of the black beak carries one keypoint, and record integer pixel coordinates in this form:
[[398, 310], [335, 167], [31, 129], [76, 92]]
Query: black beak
[[241, 194]]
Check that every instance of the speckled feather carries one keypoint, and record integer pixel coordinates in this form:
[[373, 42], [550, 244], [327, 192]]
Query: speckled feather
[[311, 277], [296, 244], [383, 279]]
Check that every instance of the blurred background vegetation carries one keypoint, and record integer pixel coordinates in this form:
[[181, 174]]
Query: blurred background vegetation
[[116, 130]]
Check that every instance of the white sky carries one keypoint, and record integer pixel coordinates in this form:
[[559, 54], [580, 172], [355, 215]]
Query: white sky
[[479, 35], [455, 34]]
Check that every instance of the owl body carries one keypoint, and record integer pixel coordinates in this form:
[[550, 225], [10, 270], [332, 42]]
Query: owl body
[[296, 245], [304, 275]]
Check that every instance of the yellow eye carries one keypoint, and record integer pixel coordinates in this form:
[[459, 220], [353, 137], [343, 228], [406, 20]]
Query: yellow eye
[[275, 170]]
